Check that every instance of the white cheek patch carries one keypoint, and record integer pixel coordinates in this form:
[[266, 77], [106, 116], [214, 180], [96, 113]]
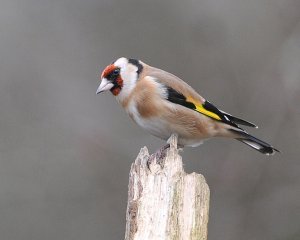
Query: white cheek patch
[[128, 74], [128, 71]]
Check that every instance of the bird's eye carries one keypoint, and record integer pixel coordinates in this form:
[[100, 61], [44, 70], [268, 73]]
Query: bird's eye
[[116, 71]]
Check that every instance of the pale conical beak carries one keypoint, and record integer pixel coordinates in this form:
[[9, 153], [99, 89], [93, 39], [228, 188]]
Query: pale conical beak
[[105, 85]]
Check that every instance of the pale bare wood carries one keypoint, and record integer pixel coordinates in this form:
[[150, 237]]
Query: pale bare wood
[[164, 202]]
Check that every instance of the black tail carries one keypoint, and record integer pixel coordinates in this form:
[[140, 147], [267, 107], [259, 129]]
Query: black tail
[[237, 120], [255, 143]]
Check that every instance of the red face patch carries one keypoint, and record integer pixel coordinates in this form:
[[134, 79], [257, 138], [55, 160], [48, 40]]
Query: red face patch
[[114, 78], [116, 91], [119, 84], [107, 70]]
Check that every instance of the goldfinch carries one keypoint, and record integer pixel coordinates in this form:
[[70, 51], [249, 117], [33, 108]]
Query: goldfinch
[[163, 104]]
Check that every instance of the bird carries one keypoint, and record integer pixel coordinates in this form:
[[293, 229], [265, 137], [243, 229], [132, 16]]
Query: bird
[[163, 104]]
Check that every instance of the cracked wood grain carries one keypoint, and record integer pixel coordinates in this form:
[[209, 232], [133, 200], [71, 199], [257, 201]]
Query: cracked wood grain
[[164, 202]]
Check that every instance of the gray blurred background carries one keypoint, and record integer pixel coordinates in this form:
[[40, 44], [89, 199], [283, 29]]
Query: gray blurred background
[[65, 153]]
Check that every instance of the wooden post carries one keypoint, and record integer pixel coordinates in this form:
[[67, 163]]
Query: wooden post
[[164, 202]]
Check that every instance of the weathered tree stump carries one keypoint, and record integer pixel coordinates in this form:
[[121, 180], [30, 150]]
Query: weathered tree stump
[[164, 202]]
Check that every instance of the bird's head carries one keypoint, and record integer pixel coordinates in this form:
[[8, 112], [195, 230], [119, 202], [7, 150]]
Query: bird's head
[[120, 77]]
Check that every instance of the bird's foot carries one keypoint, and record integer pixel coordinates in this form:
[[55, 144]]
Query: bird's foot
[[158, 156]]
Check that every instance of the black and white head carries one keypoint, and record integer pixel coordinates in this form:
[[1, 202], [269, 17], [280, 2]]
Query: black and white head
[[120, 77]]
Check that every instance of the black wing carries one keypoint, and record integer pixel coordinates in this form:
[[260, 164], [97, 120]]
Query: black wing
[[206, 108]]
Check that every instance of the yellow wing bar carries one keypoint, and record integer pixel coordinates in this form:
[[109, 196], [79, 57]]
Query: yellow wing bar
[[201, 109]]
